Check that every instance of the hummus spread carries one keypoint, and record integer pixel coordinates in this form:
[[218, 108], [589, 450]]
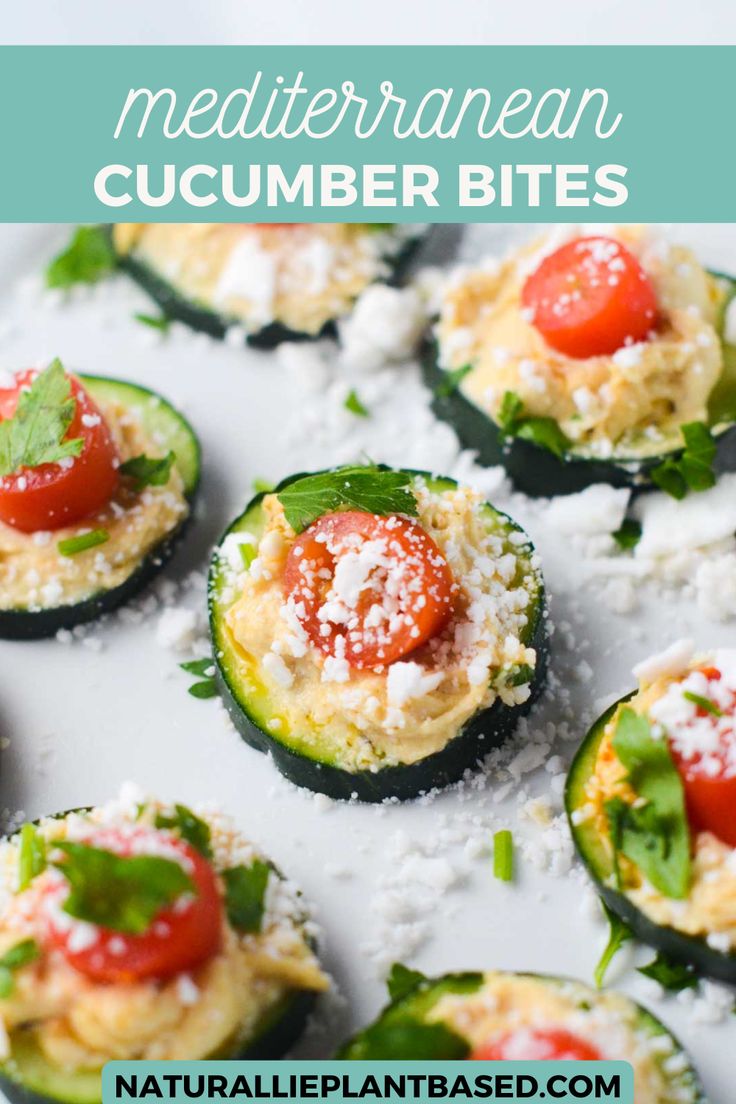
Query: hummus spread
[[35, 576], [606, 405], [365, 719], [508, 1002], [79, 1024], [301, 276]]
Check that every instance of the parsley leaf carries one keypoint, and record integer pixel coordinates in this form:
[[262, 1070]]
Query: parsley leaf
[[122, 893], [401, 980], [672, 976], [372, 489], [204, 690], [453, 377], [245, 894], [629, 535], [619, 933], [31, 855], [160, 322], [408, 1039], [693, 470], [88, 257], [653, 833], [20, 955], [148, 471], [201, 667], [190, 827], [35, 433], [544, 432], [73, 545], [355, 406]]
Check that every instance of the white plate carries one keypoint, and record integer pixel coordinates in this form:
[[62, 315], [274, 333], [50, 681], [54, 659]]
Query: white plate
[[82, 718]]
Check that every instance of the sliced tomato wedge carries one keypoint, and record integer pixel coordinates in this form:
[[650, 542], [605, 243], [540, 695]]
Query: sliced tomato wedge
[[538, 1044], [368, 589], [709, 778], [54, 495], [180, 937], [590, 297]]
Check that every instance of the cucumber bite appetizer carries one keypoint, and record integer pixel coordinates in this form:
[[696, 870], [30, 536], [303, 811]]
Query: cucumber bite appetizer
[[276, 281], [377, 631], [527, 1017], [651, 798], [591, 357], [97, 479], [140, 930]]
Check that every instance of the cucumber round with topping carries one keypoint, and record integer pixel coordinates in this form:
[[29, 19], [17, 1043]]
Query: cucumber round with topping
[[353, 718], [559, 421], [77, 988], [56, 580], [278, 282], [498, 1016]]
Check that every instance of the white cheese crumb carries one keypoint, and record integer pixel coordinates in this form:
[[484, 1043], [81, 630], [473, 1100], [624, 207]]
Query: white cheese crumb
[[177, 628], [385, 325], [409, 680], [274, 666], [597, 509], [671, 662]]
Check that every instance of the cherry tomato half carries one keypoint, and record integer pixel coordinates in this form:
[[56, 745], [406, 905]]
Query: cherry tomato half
[[538, 1044], [367, 588], [54, 495], [590, 297], [180, 937]]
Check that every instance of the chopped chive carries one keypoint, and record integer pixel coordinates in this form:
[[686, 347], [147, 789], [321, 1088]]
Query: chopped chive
[[20, 955], [83, 542], [703, 703], [262, 486], [247, 554], [156, 321], [503, 855], [31, 855], [355, 406], [205, 689]]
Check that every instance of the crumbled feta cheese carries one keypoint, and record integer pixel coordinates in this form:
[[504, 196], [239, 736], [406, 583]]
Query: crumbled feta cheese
[[671, 662], [597, 509], [407, 680], [177, 629]]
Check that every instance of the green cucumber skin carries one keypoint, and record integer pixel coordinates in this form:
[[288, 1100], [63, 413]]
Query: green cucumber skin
[[690, 950], [534, 470], [19, 624], [176, 306], [487, 729]]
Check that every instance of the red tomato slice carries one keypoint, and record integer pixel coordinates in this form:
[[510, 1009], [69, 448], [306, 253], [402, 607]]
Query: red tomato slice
[[538, 1044], [710, 780], [590, 297], [368, 589], [54, 495], [180, 938]]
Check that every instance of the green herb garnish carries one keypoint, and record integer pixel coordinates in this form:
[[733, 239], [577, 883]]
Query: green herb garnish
[[619, 933], [654, 832], [122, 893], [204, 690], [629, 535], [355, 406], [545, 432], [693, 470], [160, 322], [371, 489], [401, 980], [20, 955], [503, 855], [31, 855], [88, 257], [452, 378], [204, 669], [702, 703], [408, 1039], [189, 826], [73, 545], [35, 433], [148, 471], [245, 895], [520, 675], [672, 976]]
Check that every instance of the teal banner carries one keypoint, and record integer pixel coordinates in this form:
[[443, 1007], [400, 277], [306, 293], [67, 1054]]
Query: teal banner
[[394, 1082], [370, 134]]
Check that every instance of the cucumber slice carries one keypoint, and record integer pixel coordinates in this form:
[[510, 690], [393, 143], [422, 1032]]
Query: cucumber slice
[[171, 431], [298, 755], [596, 856], [538, 472], [397, 1032], [201, 316]]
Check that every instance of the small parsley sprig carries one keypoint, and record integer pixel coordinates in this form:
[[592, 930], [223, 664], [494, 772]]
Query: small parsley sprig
[[618, 933], [628, 535], [245, 895], [693, 469], [88, 257], [401, 980], [160, 322], [544, 432], [672, 976], [36, 432], [20, 955], [189, 826], [148, 471], [452, 378], [371, 489], [204, 669]]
